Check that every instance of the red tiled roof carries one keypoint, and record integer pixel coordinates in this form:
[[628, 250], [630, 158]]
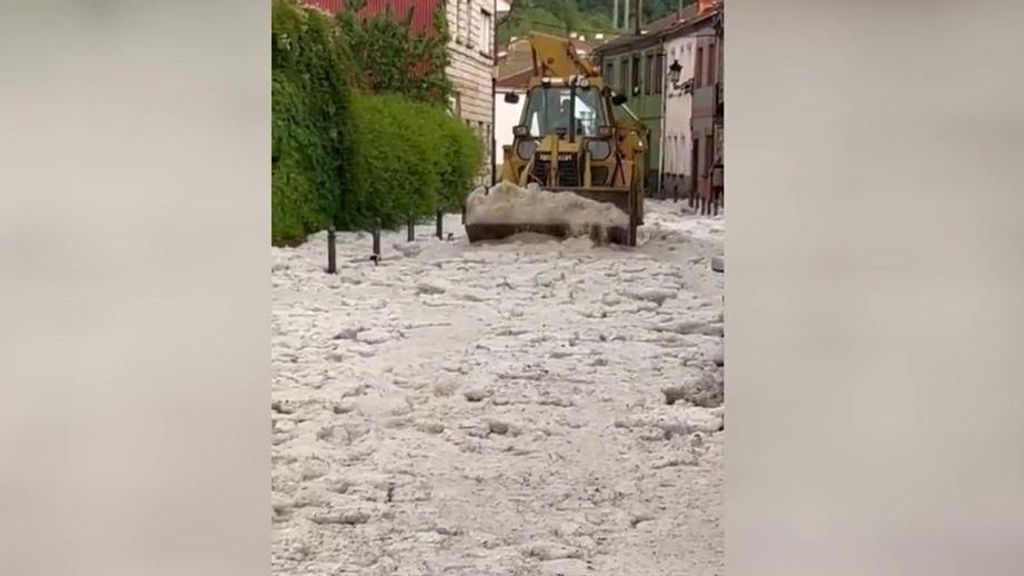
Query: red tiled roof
[[332, 6], [423, 10]]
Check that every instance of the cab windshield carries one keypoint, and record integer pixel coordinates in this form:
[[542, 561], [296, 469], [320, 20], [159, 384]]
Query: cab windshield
[[549, 108]]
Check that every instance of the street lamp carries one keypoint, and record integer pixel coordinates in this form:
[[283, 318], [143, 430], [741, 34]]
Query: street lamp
[[674, 71]]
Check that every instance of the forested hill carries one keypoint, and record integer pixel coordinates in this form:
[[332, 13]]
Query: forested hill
[[562, 16]]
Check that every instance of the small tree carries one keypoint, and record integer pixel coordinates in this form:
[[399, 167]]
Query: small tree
[[392, 59]]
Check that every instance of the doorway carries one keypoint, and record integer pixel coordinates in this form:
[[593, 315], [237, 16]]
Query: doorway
[[694, 155]]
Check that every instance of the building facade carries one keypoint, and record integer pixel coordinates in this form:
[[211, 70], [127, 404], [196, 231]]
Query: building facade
[[508, 114], [692, 101], [634, 65], [682, 111], [471, 50], [677, 172], [707, 117]]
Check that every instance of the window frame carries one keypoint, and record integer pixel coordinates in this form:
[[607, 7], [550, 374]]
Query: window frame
[[486, 32], [635, 82], [624, 75], [648, 72], [659, 73], [698, 68]]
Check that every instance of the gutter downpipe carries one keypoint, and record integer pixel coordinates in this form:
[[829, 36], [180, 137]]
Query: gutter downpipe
[[494, 93], [494, 133], [664, 121]]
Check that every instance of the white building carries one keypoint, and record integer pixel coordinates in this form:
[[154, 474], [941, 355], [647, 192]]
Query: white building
[[677, 146], [688, 130], [507, 115]]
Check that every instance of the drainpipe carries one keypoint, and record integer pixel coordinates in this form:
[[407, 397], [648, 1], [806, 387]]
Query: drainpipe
[[494, 92], [664, 121], [494, 135]]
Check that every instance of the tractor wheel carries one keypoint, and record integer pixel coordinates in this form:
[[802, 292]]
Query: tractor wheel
[[634, 213]]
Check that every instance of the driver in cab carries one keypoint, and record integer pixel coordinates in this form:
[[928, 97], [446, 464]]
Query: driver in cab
[[565, 117]]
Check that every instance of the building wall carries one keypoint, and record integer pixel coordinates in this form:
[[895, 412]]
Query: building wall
[[678, 147], [471, 24], [506, 117], [702, 122], [645, 103]]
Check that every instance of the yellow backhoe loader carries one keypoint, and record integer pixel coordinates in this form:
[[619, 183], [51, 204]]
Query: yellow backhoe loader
[[575, 136]]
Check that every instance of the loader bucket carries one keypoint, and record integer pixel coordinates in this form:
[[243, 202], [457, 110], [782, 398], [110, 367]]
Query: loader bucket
[[601, 214], [483, 232]]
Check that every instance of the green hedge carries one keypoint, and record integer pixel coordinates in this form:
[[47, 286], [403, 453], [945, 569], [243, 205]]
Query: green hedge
[[409, 159], [310, 123], [340, 156]]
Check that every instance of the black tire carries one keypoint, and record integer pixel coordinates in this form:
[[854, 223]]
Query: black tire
[[634, 214]]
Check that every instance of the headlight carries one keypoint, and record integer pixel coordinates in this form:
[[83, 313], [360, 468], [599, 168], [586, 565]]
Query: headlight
[[599, 149], [526, 148]]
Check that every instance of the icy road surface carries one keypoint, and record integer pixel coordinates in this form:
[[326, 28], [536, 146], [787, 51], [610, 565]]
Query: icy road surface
[[518, 408]]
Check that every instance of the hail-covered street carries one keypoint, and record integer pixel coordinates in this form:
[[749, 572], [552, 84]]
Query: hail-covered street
[[523, 407]]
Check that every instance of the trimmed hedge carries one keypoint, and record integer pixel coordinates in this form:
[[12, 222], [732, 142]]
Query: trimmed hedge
[[349, 158], [310, 123], [410, 159]]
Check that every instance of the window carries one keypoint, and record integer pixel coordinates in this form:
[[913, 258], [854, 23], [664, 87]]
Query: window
[[694, 155], [609, 73], [711, 63], [636, 74], [458, 21], [709, 154], [485, 32], [624, 76], [659, 73], [698, 69], [547, 109], [648, 73]]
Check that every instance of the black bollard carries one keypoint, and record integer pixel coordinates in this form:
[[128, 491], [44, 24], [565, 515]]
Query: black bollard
[[463, 213], [411, 224], [376, 242], [440, 225], [331, 268]]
